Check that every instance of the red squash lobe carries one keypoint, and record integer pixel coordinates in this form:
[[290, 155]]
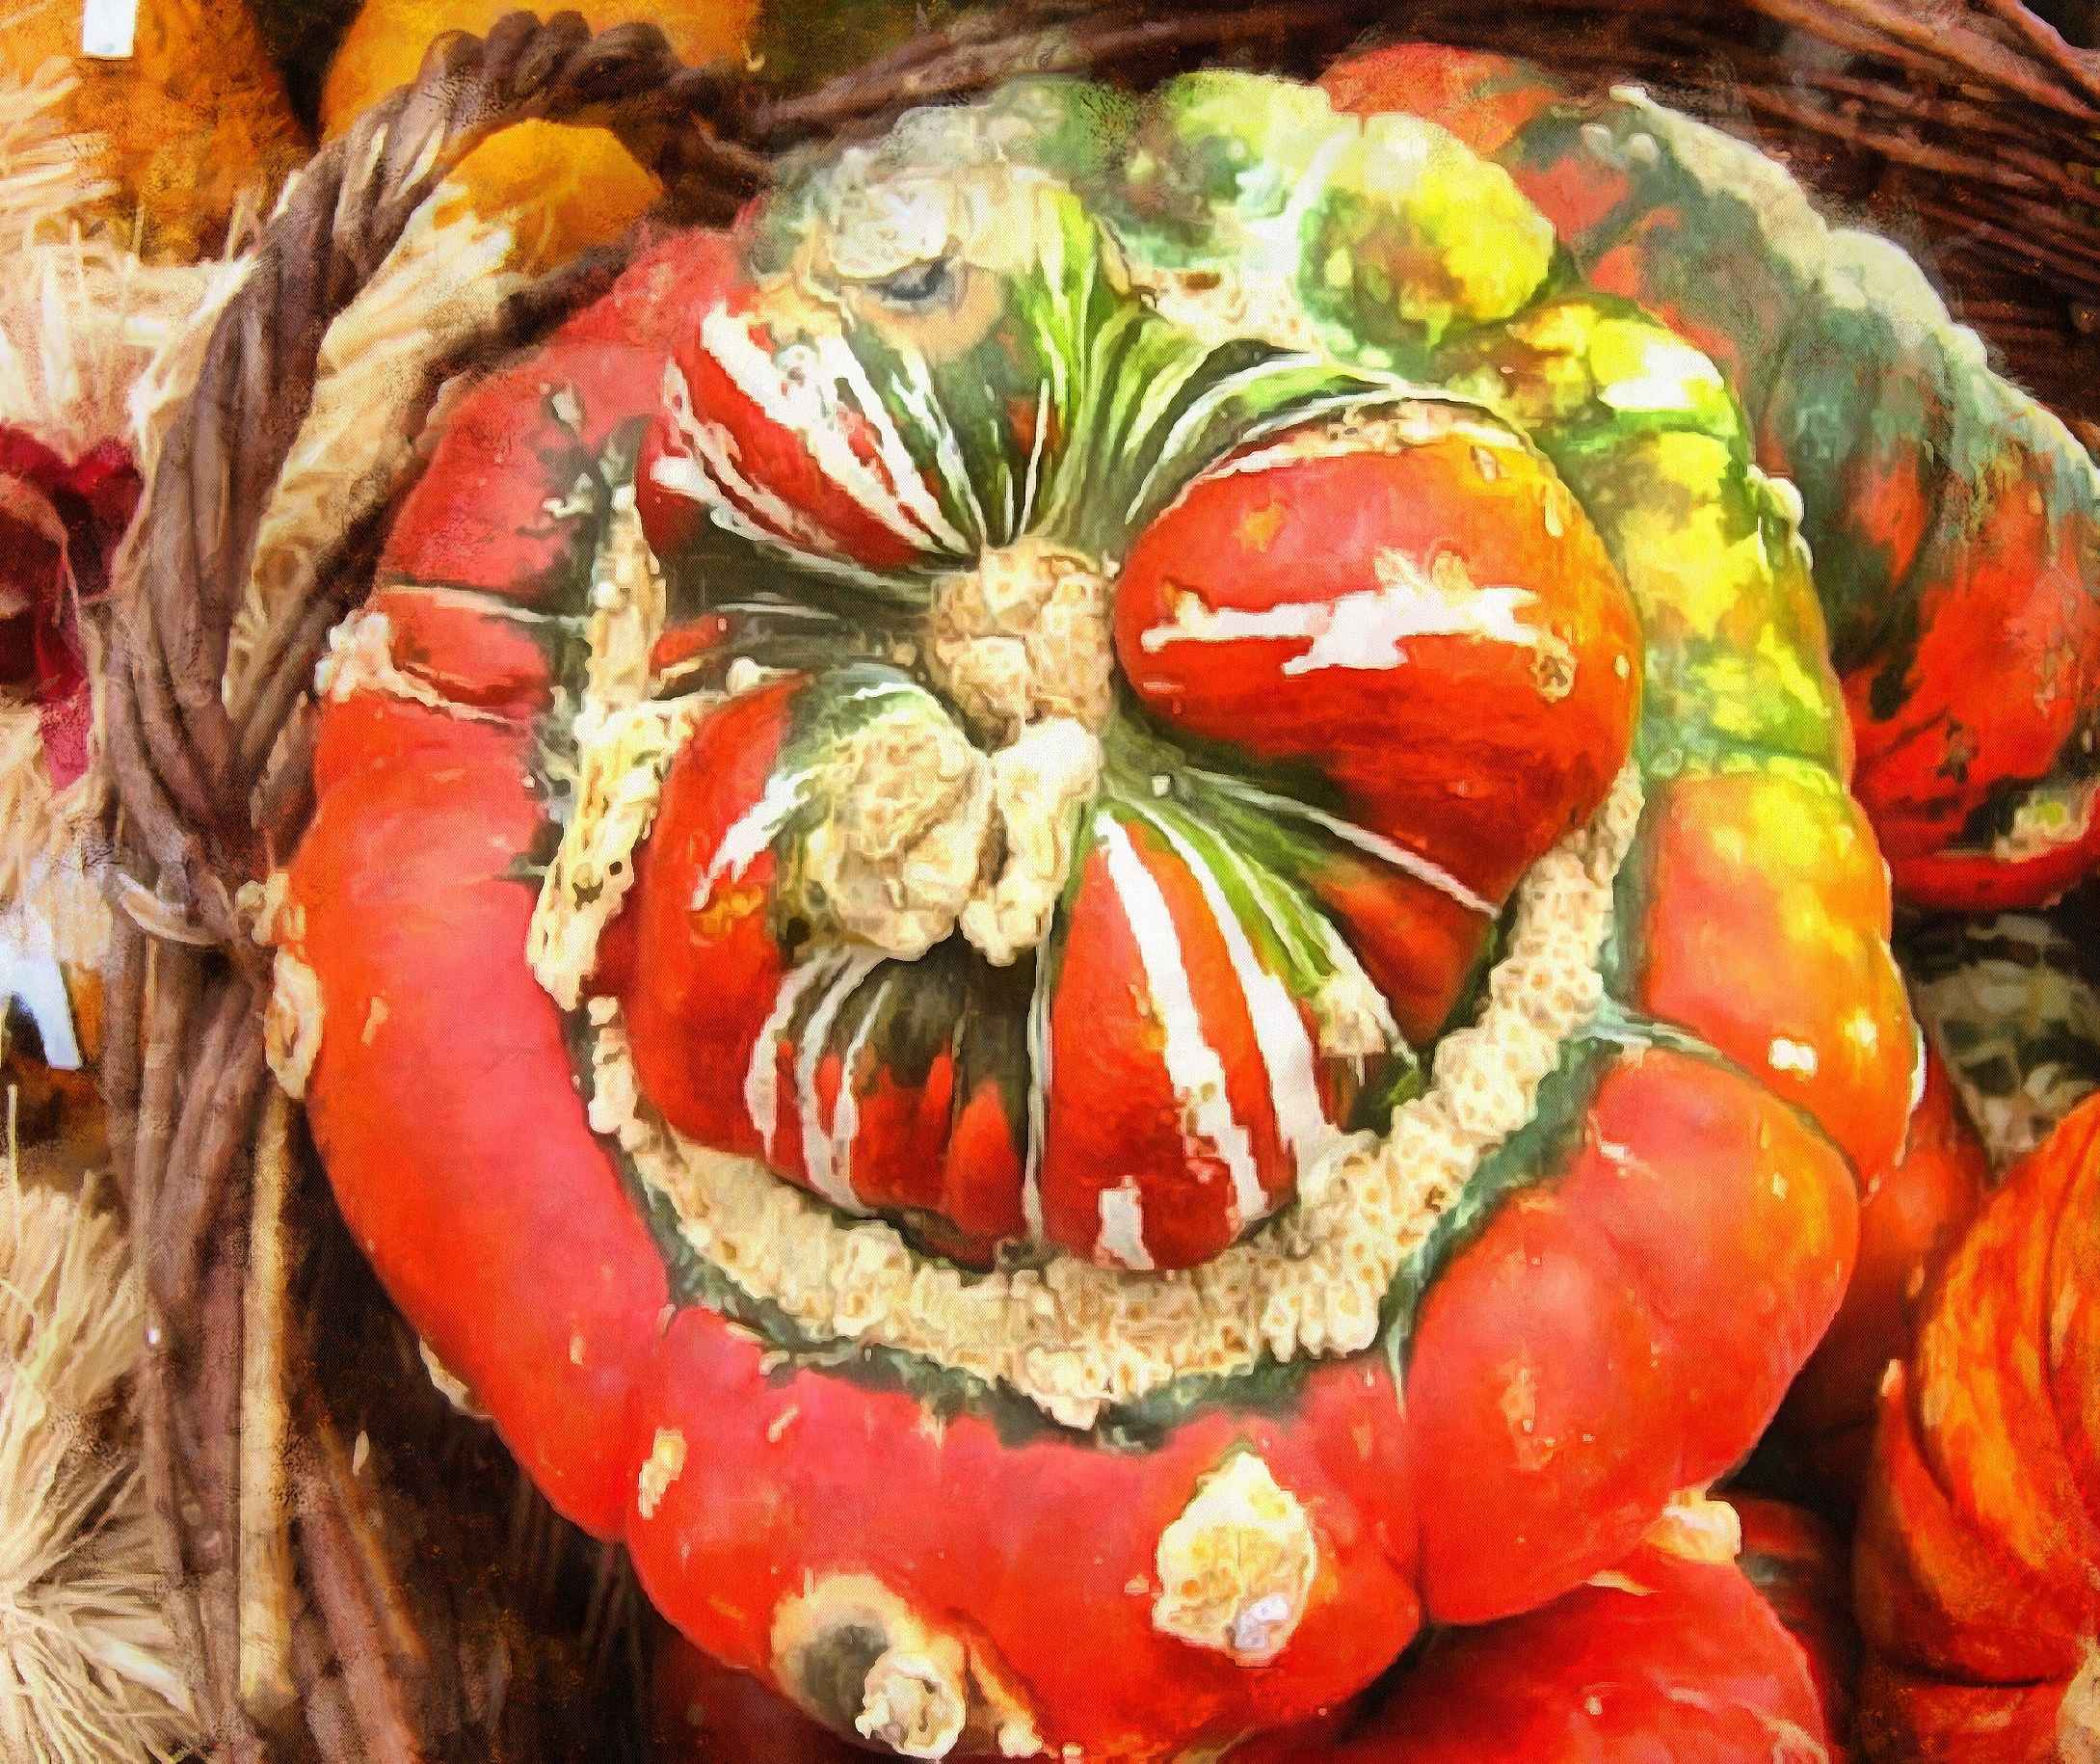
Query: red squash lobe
[[1665, 1661], [1909, 1223], [1432, 627]]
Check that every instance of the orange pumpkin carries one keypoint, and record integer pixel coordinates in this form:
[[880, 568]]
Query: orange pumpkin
[[563, 188], [1978, 1562], [189, 123]]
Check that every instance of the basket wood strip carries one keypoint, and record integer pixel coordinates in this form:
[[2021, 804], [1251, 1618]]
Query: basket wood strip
[[316, 1630]]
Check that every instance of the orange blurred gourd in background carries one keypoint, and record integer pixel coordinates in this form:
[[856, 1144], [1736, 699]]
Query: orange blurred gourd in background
[[564, 189], [194, 119]]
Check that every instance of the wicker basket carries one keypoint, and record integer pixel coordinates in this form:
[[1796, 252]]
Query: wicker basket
[[360, 1575]]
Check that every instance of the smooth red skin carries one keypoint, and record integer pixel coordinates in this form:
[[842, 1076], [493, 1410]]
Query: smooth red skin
[[1417, 945], [1483, 99], [458, 1145], [465, 653], [1976, 1569], [1802, 1567], [1755, 881], [2010, 648], [1618, 1333], [505, 1245], [1456, 753], [1113, 1114], [1694, 1669], [1908, 1224], [477, 518], [691, 971], [1964, 880]]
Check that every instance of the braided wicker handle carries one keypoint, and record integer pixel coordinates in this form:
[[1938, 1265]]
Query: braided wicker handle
[[173, 746], [193, 1116]]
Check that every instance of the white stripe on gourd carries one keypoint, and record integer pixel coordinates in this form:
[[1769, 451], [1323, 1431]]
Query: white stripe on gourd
[[801, 409], [751, 833], [1363, 629], [915, 393], [712, 456], [1038, 1082], [1203, 408], [1376, 844], [761, 1079], [1122, 1239], [846, 1112], [835, 355], [1034, 484], [1193, 1067], [1347, 1000], [850, 968], [1279, 1031]]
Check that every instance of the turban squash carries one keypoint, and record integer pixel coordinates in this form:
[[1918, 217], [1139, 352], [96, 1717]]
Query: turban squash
[[1086, 919], [1978, 1557], [1669, 1659]]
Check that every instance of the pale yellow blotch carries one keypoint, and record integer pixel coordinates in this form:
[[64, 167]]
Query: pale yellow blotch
[[1697, 1527], [1259, 527], [1785, 1055], [449, 1384], [1520, 1412], [1732, 844], [1236, 1569], [291, 1022], [664, 1465]]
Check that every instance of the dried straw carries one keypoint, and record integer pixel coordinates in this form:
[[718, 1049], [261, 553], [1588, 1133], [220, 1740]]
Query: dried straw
[[89, 1672]]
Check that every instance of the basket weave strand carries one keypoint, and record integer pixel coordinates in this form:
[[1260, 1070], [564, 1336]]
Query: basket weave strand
[[328, 1615]]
